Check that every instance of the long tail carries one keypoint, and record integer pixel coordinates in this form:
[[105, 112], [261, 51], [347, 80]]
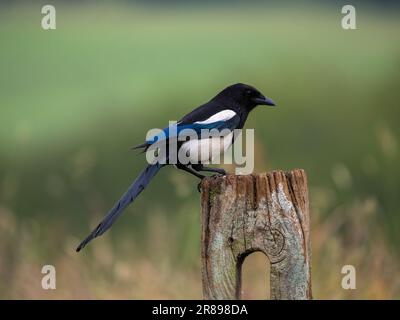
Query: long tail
[[134, 190]]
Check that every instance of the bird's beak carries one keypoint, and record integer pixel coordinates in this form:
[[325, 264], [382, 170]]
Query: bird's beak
[[263, 101]]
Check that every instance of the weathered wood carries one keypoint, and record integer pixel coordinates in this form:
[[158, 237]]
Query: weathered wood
[[263, 212]]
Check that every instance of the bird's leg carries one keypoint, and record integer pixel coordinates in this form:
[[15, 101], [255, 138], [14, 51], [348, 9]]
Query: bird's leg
[[200, 167], [193, 172], [190, 170]]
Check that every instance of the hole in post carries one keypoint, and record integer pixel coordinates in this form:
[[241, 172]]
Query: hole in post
[[255, 277]]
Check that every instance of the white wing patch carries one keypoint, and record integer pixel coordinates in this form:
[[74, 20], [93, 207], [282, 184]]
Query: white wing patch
[[205, 150], [224, 115]]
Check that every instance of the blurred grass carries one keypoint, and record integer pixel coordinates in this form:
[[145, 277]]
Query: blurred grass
[[75, 99]]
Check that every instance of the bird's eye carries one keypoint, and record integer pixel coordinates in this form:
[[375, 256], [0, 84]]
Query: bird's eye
[[248, 92]]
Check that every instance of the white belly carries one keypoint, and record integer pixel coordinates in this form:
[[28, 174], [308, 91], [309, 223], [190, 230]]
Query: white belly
[[205, 150]]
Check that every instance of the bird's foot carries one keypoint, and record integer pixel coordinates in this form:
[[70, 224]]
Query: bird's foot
[[220, 173]]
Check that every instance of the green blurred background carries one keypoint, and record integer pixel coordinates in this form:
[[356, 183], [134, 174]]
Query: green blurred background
[[73, 100]]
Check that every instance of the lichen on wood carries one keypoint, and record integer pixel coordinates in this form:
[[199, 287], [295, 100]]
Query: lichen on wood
[[266, 212]]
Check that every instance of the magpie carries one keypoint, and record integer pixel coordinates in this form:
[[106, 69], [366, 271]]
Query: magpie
[[227, 111]]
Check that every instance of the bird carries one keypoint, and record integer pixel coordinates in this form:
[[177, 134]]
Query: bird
[[226, 111]]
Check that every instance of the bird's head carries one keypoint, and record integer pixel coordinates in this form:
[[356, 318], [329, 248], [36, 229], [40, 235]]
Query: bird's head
[[245, 96]]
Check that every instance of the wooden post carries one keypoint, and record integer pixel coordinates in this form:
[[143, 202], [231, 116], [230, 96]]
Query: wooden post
[[267, 212]]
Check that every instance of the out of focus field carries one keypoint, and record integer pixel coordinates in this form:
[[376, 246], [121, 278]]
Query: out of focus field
[[73, 100]]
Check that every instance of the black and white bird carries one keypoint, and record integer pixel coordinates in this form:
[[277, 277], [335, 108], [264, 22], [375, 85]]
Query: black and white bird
[[227, 111]]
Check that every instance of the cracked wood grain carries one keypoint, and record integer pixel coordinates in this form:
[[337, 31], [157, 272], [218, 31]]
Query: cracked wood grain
[[267, 212]]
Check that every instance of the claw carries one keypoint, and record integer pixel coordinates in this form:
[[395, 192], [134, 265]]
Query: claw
[[199, 187]]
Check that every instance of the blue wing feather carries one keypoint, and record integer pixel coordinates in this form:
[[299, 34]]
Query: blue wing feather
[[176, 129]]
